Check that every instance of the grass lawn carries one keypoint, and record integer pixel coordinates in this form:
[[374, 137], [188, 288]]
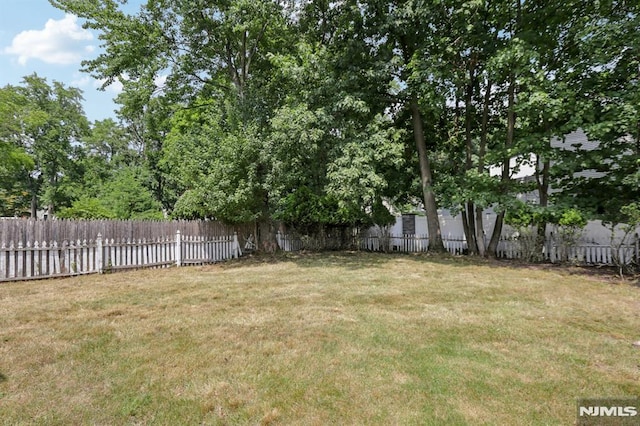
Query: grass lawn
[[317, 339]]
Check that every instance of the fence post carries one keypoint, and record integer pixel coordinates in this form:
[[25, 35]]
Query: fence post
[[99, 261], [12, 259], [20, 266], [178, 249]]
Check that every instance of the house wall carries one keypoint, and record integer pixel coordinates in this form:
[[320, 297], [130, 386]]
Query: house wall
[[451, 227]]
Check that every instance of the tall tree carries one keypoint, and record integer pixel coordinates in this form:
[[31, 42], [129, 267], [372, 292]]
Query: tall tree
[[174, 54], [605, 75], [51, 142], [48, 125], [380, 46], [15, 163], [211, 158], [329, 146]]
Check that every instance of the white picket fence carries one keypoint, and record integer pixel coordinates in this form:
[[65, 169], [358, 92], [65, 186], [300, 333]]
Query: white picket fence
[[288, 242], [409, 244], [53, 259], [583, 252], [508, 248]]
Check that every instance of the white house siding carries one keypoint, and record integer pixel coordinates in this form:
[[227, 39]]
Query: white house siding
[[527, 163], [574, 141], [451, 228]]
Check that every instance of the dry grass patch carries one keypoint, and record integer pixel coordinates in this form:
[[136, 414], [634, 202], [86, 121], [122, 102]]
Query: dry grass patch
[[317, 339]]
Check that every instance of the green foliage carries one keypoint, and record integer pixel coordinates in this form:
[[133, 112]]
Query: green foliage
[[128, 198], [572, 218], [630, 218], [122, 196], [306, 210], [522, 215], [364, 162], [297, 148], [212, 158], [380, 214], [190, 206], [40, 124], [309, 212], [571, 223], [86, 208], [329, 144], [605, 78], [311, 112], [14, 195], [456, 188], [631, 214]]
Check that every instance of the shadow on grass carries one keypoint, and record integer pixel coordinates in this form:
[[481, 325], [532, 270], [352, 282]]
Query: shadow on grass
[[343, 259], [355, 260], [350, 260], [3, 378]]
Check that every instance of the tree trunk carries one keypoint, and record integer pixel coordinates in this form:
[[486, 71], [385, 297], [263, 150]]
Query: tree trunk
[[506, 172], [480, 237], [34, 185], [542, 179], [266, 240], [429, 197], [267, 231], [465, 222], [470, 229], [34, 206], [492, 248], [480, 243], [468, 226], [472, 243]]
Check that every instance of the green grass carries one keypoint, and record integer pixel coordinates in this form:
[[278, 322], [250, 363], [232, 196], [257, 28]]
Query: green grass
[[317, 339]]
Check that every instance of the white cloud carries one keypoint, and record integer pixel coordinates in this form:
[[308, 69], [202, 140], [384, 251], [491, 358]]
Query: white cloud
[[60, 42], [80, 80]]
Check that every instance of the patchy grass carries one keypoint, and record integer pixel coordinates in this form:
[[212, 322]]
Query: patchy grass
[[317, 339]]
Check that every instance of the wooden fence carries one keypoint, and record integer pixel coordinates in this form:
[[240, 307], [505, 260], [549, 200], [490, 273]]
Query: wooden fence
[[288, 242], [583, 252], [589, 253], [25, 230], [52, 259], [408, 244], [388, 243]]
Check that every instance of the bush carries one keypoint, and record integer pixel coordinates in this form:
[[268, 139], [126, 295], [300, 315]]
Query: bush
[[570, 228], [86, 208]]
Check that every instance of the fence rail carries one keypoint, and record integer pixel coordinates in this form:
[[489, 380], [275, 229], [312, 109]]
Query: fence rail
[[25, 230], [33, 259], [52, 259], [508, 248], [288, 242], [589, 253], [408, 243]]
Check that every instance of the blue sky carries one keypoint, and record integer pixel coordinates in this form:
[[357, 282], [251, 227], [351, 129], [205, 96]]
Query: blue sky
[[36, 37]]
